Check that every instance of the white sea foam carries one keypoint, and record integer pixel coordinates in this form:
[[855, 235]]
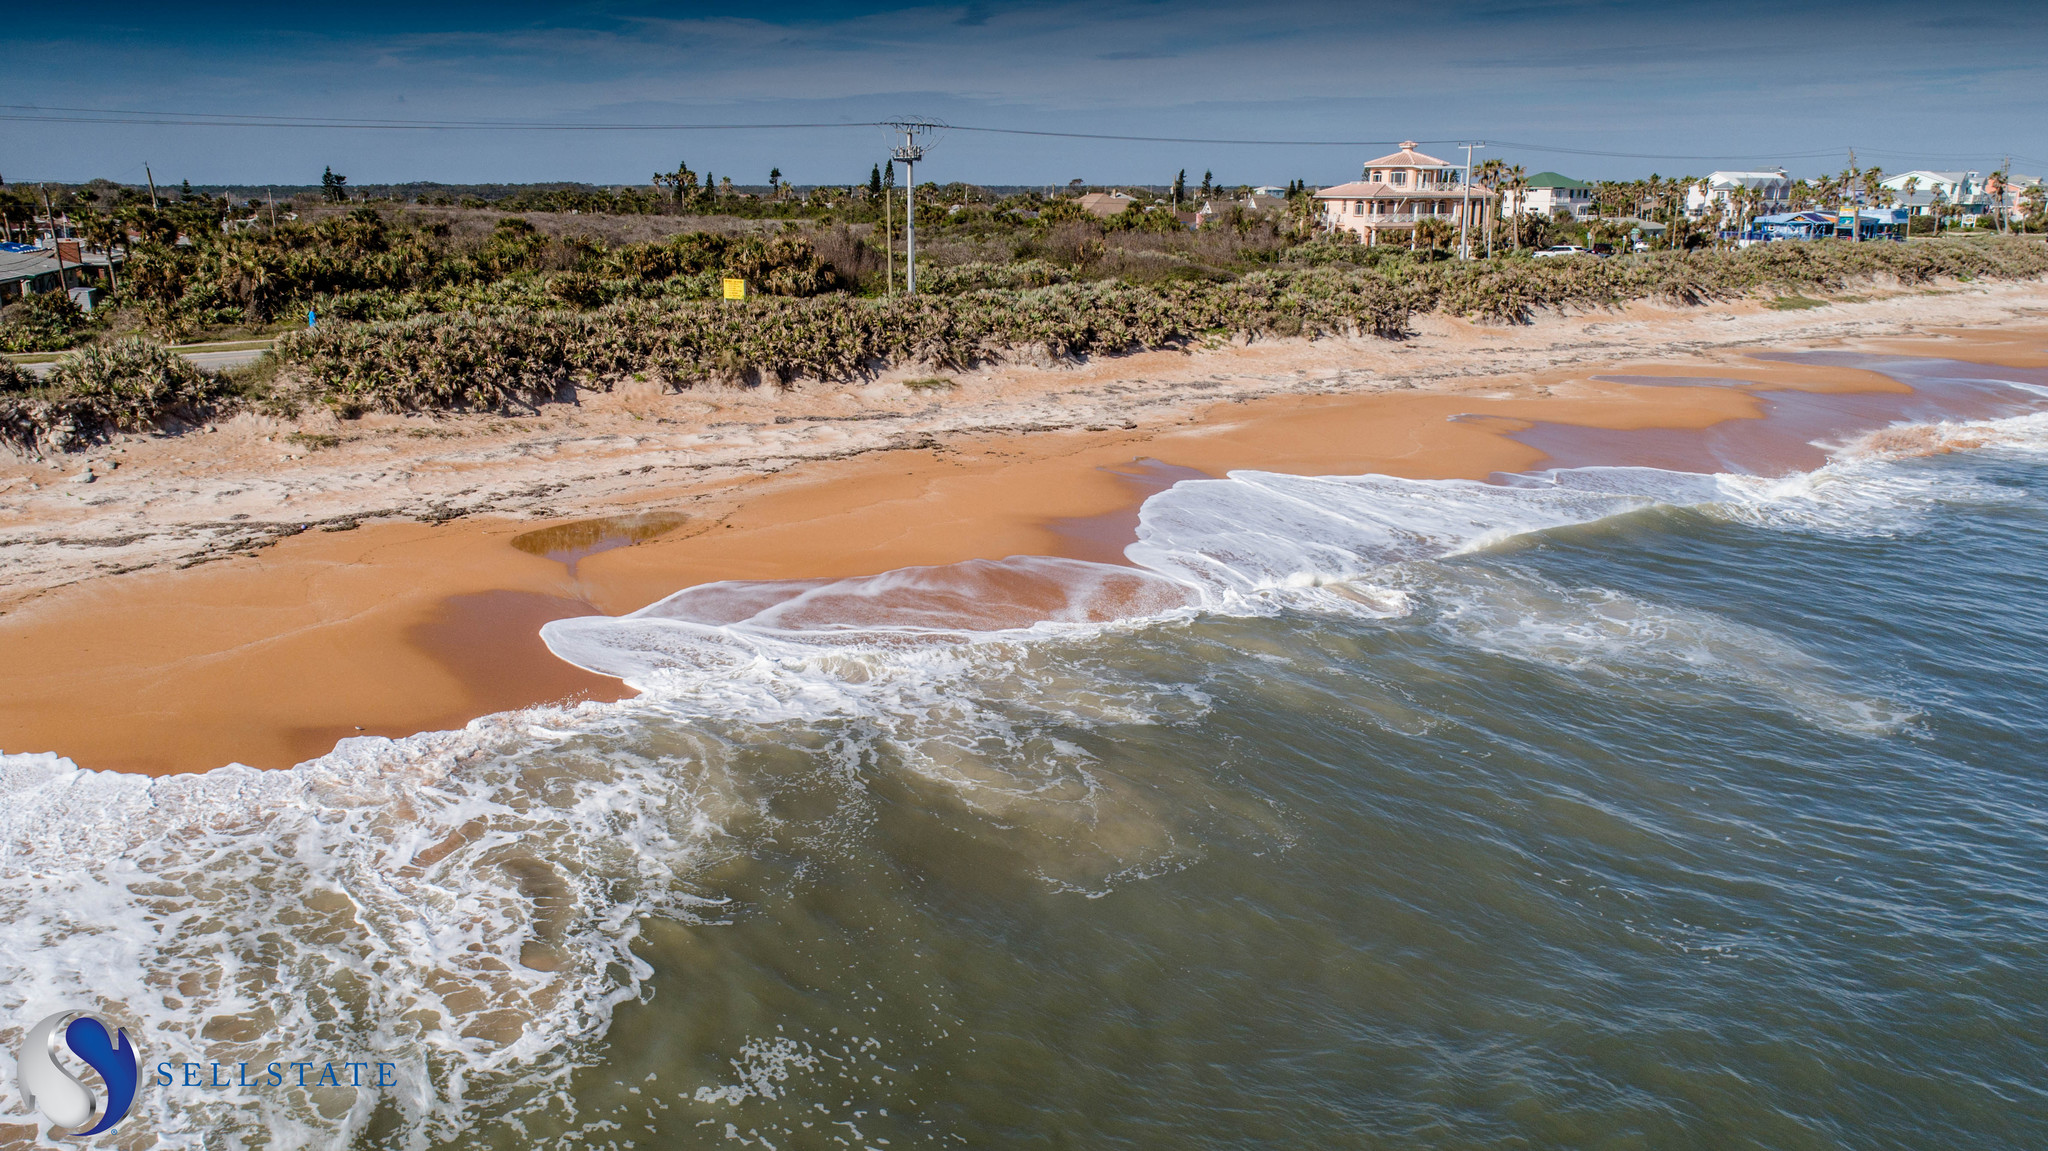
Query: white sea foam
[[459, 904], [1257, 543]]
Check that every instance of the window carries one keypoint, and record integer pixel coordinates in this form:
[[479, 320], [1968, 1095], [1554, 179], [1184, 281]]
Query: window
[[1400, 178], [1358, 207]]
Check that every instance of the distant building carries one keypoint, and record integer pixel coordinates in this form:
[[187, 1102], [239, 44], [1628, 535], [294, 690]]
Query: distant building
[[1712, 197], [1960, 188], [1106, 204], [1398, 190], [26, 270], [1818, 224], [1545, 193], [26, 273], [2010, 196]]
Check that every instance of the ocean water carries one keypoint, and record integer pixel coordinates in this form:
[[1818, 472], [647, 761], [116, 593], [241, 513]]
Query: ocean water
[[1603, 807]]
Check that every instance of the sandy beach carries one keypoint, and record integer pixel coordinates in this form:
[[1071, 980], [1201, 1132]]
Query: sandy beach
[[254, 592]]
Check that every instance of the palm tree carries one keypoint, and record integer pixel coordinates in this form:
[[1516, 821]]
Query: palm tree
[[1518, 186], [1998, 186], [104, 231]]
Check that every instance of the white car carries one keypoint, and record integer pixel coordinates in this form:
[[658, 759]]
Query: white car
[[1562, 250]]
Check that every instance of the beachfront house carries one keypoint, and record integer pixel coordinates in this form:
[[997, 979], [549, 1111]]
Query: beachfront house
[[1712, 197], [1546, 194], [1397, 191], [1962, 189]]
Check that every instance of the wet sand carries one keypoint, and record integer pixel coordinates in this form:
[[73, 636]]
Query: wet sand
[[393, 628]]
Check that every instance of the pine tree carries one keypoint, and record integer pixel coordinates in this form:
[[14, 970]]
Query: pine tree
[[1208, 184], [1180, 188], [875, 181]]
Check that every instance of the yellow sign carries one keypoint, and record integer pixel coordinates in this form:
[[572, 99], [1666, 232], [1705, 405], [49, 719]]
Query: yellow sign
[[735, 289]]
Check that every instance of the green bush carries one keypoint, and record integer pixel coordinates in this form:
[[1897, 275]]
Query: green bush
[[128, 384], [485, 359], [45, 322]]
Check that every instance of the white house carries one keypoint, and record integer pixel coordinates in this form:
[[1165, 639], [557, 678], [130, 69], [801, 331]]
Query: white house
[[1398, 190], [1712, 199], [1546, 193], [1964, 188]]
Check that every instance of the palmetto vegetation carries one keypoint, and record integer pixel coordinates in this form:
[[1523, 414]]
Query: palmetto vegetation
[[486, 360], [417, 314], [128, 384]]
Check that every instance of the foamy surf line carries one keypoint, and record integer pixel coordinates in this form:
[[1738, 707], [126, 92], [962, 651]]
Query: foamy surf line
[[1250, 544], [464, 904]]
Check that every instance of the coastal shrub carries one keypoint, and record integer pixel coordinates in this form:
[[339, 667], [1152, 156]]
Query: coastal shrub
[[45, 322], [1510, 291], [486, 360], [981, 276], [130, 384]]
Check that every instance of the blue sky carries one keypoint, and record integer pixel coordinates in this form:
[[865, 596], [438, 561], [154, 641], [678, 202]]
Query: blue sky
[[1677, 88]]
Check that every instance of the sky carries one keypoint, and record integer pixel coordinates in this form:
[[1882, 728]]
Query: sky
[[1591, 89]]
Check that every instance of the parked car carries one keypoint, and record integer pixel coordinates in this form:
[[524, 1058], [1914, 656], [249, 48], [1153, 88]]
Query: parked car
[[1603, 249], [1561, 250]]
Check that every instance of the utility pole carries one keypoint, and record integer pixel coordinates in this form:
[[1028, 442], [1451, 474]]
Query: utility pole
[[56, 241], [889, 231], [152, 184], [908, 155], [1465, 208], [2004, 181]]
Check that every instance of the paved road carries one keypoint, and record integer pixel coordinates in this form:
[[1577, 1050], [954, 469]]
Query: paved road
[[218, 361], [211, 361]]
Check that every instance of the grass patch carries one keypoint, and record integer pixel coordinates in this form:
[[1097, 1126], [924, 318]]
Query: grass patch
[[314, 441], [931, 384], [1795, 303]]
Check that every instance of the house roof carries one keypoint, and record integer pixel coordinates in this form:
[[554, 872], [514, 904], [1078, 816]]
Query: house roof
[[1926, 177], [1105, 203], [1407, 157], [26, 265], [1553, 180], [1808, 216]]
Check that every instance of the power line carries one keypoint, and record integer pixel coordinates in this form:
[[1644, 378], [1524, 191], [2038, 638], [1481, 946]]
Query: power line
[[30, 113]]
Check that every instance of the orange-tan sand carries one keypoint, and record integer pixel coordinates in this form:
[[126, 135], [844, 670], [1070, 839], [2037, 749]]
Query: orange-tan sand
[[268, 656]]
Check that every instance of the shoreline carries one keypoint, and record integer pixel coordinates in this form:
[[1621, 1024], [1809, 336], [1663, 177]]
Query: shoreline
[[391, 626]]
